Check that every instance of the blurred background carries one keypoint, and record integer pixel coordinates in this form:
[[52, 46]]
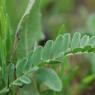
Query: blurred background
[[59, 17]]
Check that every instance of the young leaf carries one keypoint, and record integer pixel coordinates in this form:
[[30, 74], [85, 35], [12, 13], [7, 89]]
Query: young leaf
[[92, 41], [20, 67], [65, 42], [75, 40], [17, 83], [24, 79], [47, 50], [35, 59], [57, 46], [49, 78], [84, 41], [31, 28]]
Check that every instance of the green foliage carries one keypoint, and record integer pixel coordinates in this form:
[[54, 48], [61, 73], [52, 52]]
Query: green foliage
[[48, 77], [51, 79], [31, 26], [22, 61]]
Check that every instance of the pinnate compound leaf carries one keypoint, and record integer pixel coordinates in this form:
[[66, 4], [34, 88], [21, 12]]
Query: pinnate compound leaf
[[46, 55]]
